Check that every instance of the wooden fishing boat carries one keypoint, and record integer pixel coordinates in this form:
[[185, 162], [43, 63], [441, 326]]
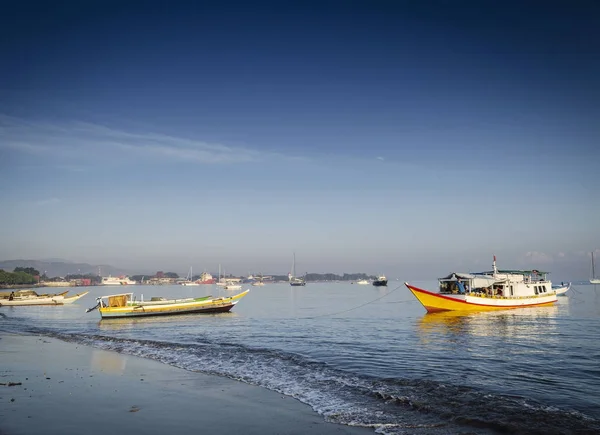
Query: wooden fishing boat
[[486, 291], [125, 305], [30, 297], [73, 298]]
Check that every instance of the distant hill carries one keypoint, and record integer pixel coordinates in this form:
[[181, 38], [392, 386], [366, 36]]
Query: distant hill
[[61, 268]]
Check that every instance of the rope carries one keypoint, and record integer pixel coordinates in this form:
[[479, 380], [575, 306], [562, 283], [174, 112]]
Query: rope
[[355, 308]]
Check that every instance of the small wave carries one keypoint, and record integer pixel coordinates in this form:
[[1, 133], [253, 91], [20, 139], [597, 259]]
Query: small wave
[[390, 406]]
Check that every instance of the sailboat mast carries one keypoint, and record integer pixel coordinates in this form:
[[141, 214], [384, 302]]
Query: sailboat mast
[[593, 268]]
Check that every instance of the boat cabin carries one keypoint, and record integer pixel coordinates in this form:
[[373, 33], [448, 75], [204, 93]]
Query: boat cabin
[[114, 301], [501, 283]]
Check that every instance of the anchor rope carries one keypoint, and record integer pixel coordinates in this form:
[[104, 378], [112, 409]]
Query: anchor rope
[[357, 307]]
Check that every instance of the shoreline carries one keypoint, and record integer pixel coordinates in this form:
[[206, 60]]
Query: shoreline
[[55, 387]]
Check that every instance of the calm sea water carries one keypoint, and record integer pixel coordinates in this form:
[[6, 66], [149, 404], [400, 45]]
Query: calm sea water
[[364, 355]]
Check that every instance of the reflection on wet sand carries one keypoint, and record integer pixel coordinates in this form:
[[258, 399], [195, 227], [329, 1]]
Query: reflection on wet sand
[[524, 322], [108, 362]]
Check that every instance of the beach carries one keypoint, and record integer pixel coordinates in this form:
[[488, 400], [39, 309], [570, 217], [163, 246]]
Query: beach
[[49, 386]]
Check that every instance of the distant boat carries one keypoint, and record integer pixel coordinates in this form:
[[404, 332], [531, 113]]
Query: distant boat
[[124, 305], [232, 286], [188, 279], [380, 281], [117, 280], [593, 279], [206, 278], [221, 282], [259, 282], [294, 280], [362, 282]]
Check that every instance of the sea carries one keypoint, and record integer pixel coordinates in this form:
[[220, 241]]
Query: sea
[[369, 356]]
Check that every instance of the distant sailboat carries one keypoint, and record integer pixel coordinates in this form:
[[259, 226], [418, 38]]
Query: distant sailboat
[[593, 279], [221, 282], [295, 281], [259, 282], [188, 279]]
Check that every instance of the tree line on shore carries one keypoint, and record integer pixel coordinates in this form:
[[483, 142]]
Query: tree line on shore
[[31, 276]]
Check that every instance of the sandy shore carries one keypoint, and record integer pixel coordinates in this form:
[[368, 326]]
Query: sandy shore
[[63, 388]]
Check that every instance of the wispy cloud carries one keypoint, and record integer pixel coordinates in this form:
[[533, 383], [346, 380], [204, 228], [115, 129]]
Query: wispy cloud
[[77, 140]]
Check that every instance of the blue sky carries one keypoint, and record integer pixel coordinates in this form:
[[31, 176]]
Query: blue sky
[[406, 138]]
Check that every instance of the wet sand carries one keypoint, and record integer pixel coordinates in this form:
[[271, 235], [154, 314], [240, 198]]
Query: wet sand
[[64, 388]]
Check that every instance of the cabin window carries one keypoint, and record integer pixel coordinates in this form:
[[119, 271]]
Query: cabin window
[[511, 291], [535, 289]]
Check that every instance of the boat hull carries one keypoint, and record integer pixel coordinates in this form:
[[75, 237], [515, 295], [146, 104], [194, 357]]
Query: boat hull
[[594, 281], [17, 302], [380, 283], [167, 308], [146, 311], [435, 302]]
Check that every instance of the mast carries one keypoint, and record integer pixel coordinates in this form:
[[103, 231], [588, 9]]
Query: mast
[[494, 266], [593, 268]]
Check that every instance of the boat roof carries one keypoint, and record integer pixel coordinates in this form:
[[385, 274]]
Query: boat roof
[[513, 271], [118, 294]]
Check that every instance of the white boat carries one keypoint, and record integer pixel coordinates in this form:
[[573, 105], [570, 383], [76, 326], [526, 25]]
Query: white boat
[[362, 282], [593, 279], [294, 280], [232, 286], [494, 290], [221, 281], [30, 297], [259, 282], [188, 279], [117, 280]]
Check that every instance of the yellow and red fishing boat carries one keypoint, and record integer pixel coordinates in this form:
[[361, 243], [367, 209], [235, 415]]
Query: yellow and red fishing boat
[[486, 291]]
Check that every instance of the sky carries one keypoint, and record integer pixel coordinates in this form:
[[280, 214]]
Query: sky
[[398, 137]]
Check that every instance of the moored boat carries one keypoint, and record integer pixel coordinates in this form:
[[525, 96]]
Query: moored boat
[[362, 282], [117, 280], [294, 280], [380, 281], [206, 278], [232, 286], [494, 290], [125, 305], [593, 279], [30, 297]]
